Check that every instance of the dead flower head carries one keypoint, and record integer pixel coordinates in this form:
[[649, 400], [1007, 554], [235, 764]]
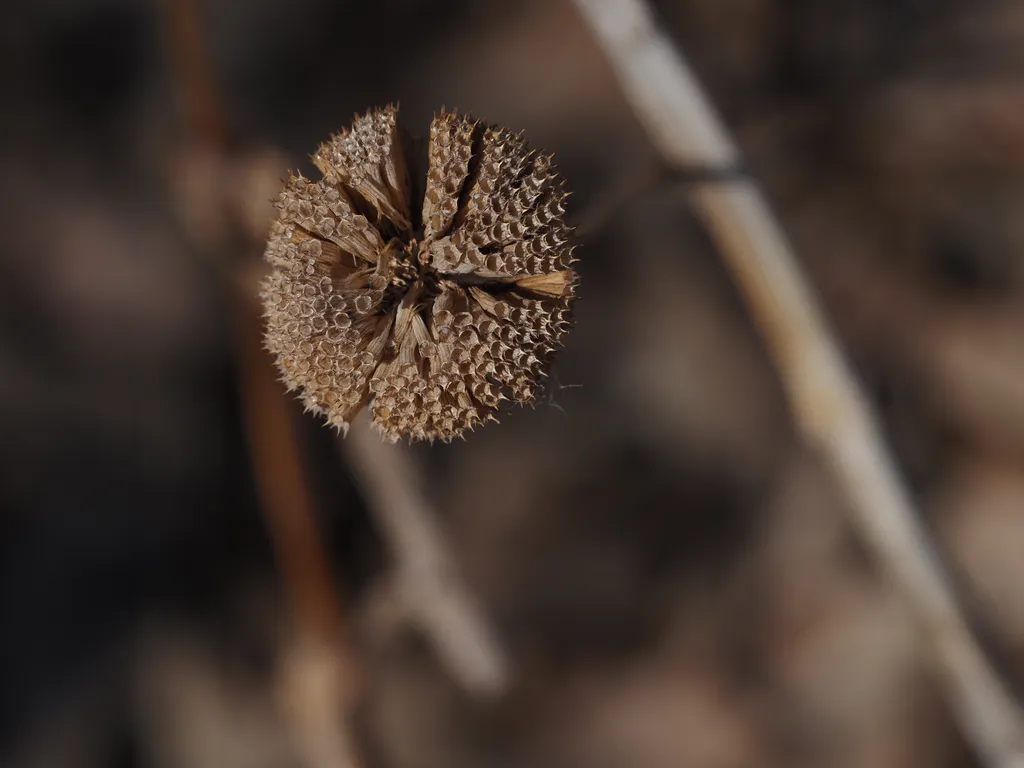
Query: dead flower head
[[430, 318]]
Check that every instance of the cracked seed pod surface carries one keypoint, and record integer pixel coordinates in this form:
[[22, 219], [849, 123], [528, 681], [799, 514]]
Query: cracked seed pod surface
[[433, 315]]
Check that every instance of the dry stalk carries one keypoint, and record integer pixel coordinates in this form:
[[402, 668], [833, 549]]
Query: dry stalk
[[431, 593], [318, 672], [318, 675], [202, 107], [829, 405], [317, 679]]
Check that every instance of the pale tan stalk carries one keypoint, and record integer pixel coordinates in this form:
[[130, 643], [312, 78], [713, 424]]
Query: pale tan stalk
[[829, 405], [430, 590]]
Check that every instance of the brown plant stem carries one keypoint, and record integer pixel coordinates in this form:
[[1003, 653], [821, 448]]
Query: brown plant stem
[[282, 484], [274, 447], [319, 677], [830, 408], [431, 595], [201, 104], [318, 674]]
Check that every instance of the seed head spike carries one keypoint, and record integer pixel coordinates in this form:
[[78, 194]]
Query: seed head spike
[[429, 313]]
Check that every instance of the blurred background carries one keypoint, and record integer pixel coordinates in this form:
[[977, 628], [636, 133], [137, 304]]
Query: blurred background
[[668, 568]]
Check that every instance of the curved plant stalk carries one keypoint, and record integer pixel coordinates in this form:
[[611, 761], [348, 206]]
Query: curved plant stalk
[[829, 406]]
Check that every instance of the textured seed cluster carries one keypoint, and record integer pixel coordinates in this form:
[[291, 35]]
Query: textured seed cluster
[[431, 318]]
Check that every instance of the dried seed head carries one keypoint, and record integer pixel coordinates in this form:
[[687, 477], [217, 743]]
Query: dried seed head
[[431, 319]]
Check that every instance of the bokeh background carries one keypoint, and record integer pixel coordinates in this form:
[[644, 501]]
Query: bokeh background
[[669, 568]]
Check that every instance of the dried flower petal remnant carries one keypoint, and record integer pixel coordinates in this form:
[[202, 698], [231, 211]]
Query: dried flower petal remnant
[[430, 318]]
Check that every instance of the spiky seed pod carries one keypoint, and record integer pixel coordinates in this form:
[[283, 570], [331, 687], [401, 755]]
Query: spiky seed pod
[[430, 318]]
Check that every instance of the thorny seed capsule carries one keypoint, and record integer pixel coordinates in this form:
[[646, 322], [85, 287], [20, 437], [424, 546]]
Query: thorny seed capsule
[[433, 317]]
